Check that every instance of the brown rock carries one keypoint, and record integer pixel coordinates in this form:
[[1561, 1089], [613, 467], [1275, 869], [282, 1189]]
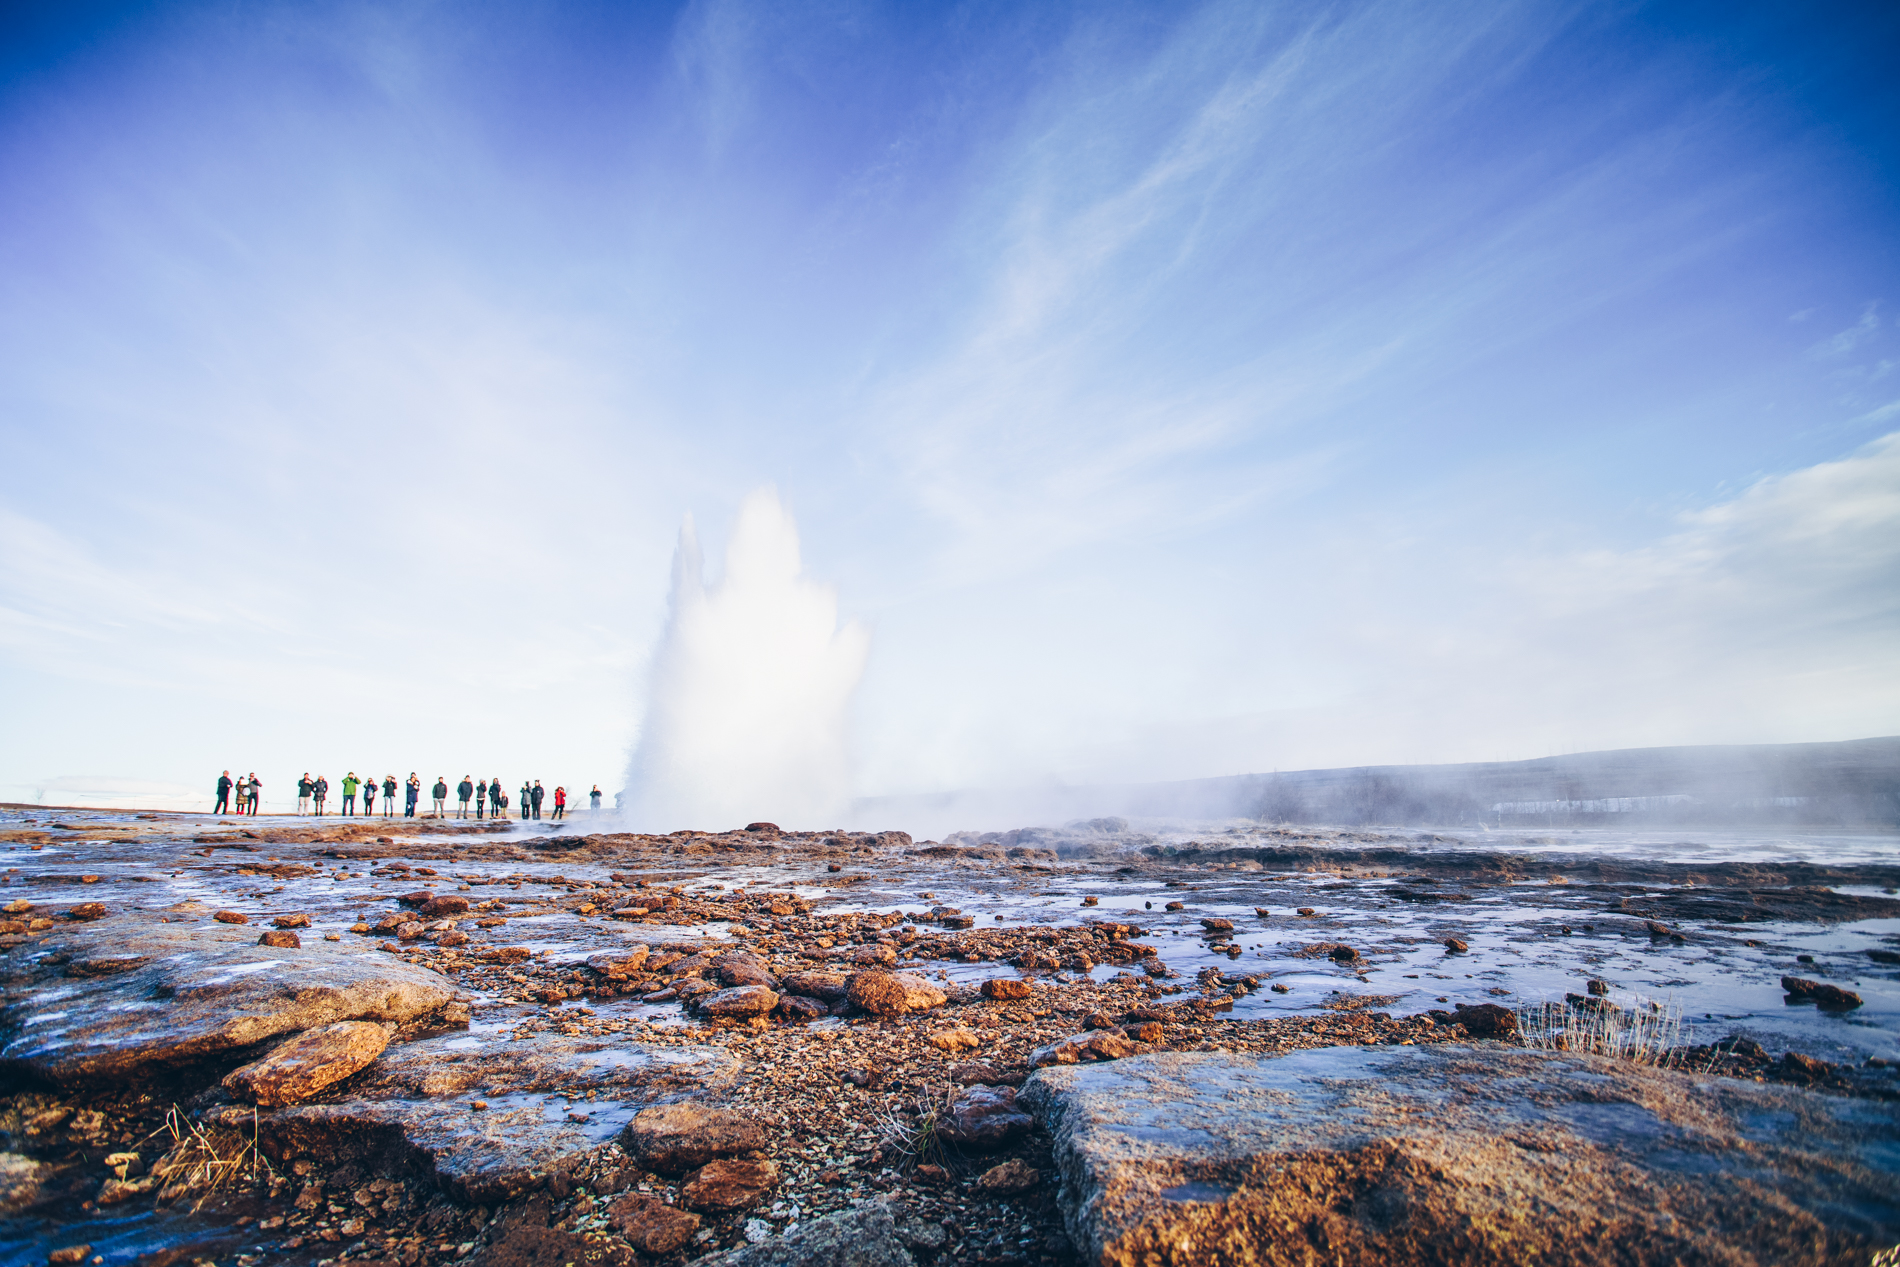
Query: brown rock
[[1455, 946], [1007, 988], [418, 898], [740, 1001], [1011, 1177], [1144, 1032], [1175, 906], [739, 968], [890, 994], [87, 911], [1344, 954], [619, 964], [442, 907], [1096, 1045], [1218, 925], [877, 953], [674, 1138], [796, 1009], [1306, 910], [292, 921], [1820, 994], [1486, 1020], [983, 1118], [732, 1184], [69, 1254], [831, 987], [298, 1069], [763, 829], [1098, 1020], [283, 939], [410, 930], [1597, 987], [231, 917], [651, 1225], [953, 1041]]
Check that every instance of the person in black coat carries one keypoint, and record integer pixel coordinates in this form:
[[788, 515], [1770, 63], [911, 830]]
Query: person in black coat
[[224, 793], [463, 791], [535, 798], [413, 795]]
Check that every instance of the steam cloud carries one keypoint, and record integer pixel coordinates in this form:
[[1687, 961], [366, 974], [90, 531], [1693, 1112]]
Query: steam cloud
[[746, 718]]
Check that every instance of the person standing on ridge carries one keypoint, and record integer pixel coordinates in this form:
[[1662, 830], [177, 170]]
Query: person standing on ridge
[[369, 797], [224, 793], [481, 796], [593, 800], [527, 791], [411, 795], [463, 790], [350, 784], [253, 789], [303, 793], [535, 795], [560, 803], [440, 794], [497, 799], [389, 795], [320, 792]]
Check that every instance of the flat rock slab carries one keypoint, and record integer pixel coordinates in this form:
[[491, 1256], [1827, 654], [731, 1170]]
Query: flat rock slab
[[1460, 1155], [415, 1108], [193, 993], [867, 1236]]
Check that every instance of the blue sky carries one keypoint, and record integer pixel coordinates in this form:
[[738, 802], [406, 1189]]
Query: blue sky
[[1172, 390]]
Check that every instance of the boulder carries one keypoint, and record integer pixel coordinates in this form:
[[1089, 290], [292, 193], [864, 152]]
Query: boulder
[[829, 986], [672, 1139], [198, 994], [619, 964], [739, 1002], [739, 968], [983, 1118], [731, 1183], [1105, 1044], [86, 911], [281, 938], [291, 921], [1486, 1020], [799, 1010], [1820, 994], [1455, 1155], [1007, 988], [890, 994], [865, 1236], [442, 907], [650, 1225], [298, 1069]]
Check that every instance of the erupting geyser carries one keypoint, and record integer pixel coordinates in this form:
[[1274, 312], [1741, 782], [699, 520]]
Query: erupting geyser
[[751, 683]]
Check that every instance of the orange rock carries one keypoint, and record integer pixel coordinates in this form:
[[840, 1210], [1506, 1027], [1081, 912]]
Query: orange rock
[[306, 1064]]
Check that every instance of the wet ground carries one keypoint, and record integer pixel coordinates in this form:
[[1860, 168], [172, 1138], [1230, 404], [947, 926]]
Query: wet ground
[[1705, 926]]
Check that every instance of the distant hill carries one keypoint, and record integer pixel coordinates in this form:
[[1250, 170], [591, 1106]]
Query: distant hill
[[1854, 783]]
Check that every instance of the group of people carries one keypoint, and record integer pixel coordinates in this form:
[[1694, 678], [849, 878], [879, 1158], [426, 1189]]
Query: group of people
[[489, 798], [244, 788]]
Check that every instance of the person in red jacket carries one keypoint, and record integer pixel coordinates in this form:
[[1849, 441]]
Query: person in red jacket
[[560, 802]]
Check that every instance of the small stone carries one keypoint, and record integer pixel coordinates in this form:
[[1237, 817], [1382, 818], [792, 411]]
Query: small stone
[[834, 866], [1597, 986], [1175, 906], [737, 1183], [1218, 925], [1455, 946], [796, 1009], [891, 994], [1307, 910], [291, 921], [18, 906], [739, 968], [1098, 1020], [442, 907], [231, 917], [674, 1138], [930, 1173], [87, 911], [305, 1065], [1277, 988], [1091, 901], [650, 1225], [1262, 911], [953, 1041], [1144, 1032], [876, 954], [1344, 954], [1011, 1177], [1007, 988], [409, 930], [281, 938], [70, 1254], [418, 898]]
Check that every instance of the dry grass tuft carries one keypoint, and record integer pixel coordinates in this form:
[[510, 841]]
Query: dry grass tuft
[[206, 1162], [1647, 1033]]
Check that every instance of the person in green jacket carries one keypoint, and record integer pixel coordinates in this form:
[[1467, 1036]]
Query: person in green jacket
[[350, 784]]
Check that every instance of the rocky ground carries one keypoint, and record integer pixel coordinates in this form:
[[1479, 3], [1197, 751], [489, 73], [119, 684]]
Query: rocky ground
[[273, 1041]]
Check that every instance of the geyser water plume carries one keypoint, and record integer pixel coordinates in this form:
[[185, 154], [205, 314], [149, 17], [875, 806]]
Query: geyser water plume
[[746, 716]]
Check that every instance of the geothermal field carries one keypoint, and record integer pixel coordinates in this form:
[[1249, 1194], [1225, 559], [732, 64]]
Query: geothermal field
[[274, 1041]]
